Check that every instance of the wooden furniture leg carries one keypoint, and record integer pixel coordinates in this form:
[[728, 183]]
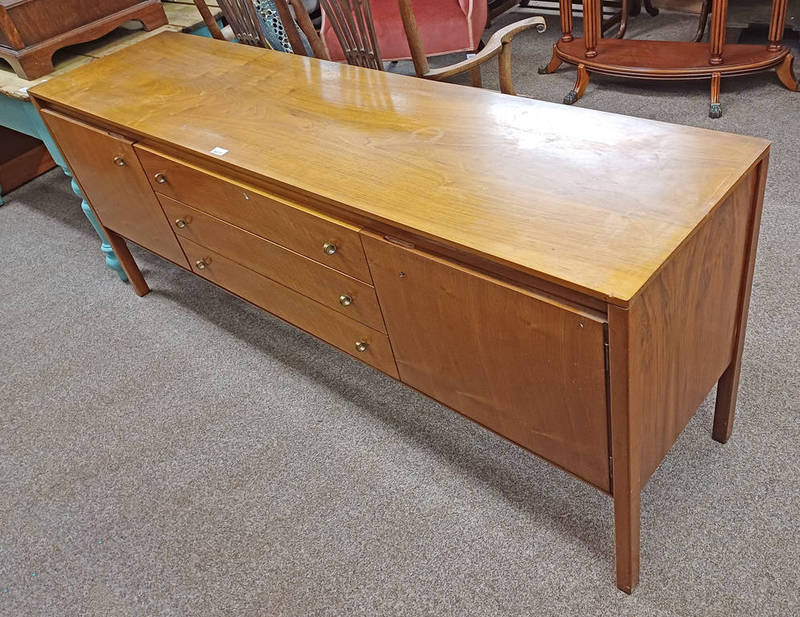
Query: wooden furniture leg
[[728, 385], [592, 26], [777, 22], [625, 456], [565, 10], [117, 242], [580, 86], [715, 109], [786, 74], [701, 24], [719, 16], [551, 66], [623, 19]]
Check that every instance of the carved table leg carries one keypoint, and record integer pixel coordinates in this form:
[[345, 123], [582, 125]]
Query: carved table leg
[[554, 63], [580, 86], [719, 18], [715, 109], [786, 73], [777, 21], [565, 11], [592, 26]]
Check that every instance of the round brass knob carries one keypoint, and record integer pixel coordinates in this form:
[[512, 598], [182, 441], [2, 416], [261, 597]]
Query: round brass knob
[[361, 346], [181, 223], [329, 248], [202, 264], [160, 178], [119, 161], [345, 300]]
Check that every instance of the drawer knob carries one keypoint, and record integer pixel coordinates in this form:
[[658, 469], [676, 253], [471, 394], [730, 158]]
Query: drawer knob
[[119, 161], [202, 264], [329, 248], [181, 223], [361, 346], [161, 178], [345, 300]]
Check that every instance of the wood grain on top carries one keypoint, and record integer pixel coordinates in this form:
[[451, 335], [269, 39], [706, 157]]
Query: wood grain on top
[[591, 200]]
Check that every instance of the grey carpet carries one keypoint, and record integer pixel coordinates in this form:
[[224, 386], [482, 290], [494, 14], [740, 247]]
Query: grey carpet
[[185, 454]]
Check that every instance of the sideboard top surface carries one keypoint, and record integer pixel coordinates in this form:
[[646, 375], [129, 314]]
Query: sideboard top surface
[[591, 200]]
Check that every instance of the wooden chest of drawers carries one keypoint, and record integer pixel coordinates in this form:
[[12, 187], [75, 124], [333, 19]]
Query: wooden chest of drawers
[[580, 299]]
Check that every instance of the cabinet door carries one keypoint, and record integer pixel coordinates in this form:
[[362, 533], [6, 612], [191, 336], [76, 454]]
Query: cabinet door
[[526, 367], [114, 183]]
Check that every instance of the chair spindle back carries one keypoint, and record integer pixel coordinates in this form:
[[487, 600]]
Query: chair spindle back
[[244, 21], [351, 21]]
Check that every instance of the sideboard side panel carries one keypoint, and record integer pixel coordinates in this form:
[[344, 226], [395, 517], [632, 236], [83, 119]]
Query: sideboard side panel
[[684, 322]]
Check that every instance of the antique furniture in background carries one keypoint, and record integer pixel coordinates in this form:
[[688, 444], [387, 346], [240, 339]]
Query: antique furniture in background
[[31, 31], [22, 158], [616, 11], [585, 318], [359, 38], [647, 59], [352, 31], [18, 113]]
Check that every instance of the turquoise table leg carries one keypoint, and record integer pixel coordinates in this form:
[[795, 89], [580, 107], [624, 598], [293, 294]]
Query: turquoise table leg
[[22, 116]]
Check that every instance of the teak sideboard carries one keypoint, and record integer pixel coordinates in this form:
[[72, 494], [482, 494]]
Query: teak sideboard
[[576, 281]]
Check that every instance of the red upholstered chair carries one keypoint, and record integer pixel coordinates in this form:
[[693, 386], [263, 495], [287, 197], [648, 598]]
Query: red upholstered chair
[[445, 26]]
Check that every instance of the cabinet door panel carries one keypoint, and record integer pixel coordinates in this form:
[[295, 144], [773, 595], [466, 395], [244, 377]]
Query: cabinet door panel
[[528, 368], [114, 183]]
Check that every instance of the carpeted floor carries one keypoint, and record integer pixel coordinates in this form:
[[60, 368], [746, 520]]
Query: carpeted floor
[[184, 454]]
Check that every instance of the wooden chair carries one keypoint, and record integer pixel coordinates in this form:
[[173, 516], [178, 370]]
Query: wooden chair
[[351, 20], [251, 28]]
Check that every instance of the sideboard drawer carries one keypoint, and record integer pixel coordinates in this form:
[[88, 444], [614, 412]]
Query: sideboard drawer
[[360, 341], [327, 286], [322, 238], [531, 369]]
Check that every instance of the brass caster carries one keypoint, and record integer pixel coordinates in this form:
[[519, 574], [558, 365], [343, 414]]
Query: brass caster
[[715, 110], [571, 97]]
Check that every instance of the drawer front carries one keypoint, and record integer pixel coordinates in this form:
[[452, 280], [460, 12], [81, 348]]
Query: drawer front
[[333, 243], [325, 323], [115, 184], [327, 286], [530, 369]]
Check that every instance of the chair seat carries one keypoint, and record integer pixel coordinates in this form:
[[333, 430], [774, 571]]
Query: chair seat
[[442, 25]]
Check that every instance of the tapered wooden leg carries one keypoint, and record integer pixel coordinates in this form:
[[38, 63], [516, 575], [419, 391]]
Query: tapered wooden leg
[[786, 73], [715, 109], [551, 66], [627, 516], [626, 479], [580, 86], [728, 385], [117, 242]]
